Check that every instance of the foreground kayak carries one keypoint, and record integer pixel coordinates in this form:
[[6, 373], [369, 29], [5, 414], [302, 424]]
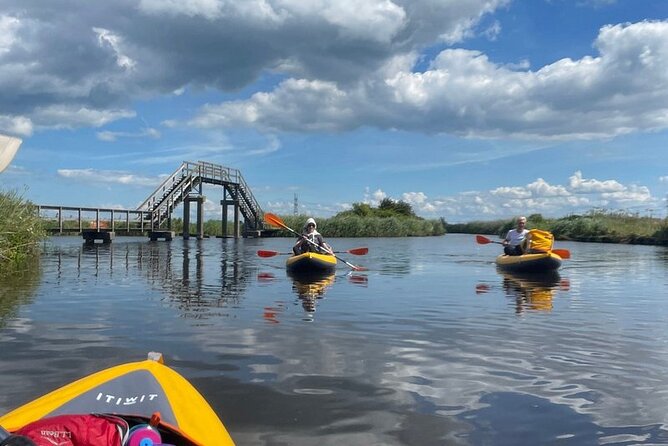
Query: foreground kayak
[[529, 263], [135, 392], [310, 263]]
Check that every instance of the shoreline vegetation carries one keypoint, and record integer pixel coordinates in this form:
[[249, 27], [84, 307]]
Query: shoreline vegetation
[[598, 225], [21, 230], [390, 219]]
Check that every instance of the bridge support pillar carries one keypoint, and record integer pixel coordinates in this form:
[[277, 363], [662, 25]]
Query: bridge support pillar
[[186, 219], [225, 202], [91, 236], [200, 216], [200, 199]]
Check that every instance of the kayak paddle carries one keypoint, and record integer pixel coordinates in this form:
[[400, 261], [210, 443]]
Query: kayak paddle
[[355, 251], [563, 253], [275, 220]]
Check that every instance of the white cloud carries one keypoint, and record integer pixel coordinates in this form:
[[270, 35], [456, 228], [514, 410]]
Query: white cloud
[[108, 39], [196, 44], [110, 136], [95, 176], [579, 196], [64, 116], [540, 188], [580, 185], [16, 125], [8, 32], [511, 192], [209, 9], [374, 198], [492, 32], [624, 89]]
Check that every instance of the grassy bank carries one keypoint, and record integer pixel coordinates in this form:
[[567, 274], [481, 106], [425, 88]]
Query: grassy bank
[[595, 226], [20, 231]]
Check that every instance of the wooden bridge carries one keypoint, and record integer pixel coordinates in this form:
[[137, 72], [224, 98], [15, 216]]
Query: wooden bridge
[[154, 215]]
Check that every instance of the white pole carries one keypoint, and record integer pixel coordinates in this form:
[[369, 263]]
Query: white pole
[[8, 148]]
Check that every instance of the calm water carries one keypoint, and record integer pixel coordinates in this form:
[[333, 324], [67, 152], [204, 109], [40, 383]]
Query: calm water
[[431, 346]]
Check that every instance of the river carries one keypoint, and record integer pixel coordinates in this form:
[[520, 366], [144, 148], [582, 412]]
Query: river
[[430, 346]]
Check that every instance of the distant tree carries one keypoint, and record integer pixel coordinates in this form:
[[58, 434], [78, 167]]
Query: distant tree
[[396, 207], [536, 219], [362, 209], [387, 208]]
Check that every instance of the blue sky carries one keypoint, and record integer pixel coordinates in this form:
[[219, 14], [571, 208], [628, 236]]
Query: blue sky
[[468, 110]]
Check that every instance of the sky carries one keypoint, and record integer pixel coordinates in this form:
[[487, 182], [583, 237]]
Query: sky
[[466, 109]]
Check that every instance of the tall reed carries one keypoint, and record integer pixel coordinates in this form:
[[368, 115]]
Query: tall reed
[[20, 230], [356, 226]]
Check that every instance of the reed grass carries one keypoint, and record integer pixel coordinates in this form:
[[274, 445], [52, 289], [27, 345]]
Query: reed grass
[[357, 226], [596, 225], [20, 230]]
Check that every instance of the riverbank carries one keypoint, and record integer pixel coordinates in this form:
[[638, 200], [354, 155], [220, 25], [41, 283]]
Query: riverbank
[[20, 231], [595, 226]]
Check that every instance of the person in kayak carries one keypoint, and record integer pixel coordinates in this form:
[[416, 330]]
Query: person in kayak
[[311, 240], [514, 241]]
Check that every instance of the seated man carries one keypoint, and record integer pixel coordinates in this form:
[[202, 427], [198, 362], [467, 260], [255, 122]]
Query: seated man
[[512, 244]]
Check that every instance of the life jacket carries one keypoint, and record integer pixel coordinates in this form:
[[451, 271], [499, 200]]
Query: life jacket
[[539, 241], [77, 430], [316, 238]]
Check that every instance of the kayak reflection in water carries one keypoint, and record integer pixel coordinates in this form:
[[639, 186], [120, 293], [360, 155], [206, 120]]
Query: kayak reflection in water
[[310, 288], [534, 292]]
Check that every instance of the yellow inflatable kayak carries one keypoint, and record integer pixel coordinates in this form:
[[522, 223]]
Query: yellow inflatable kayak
[[529, 263], [138, 393], [310, 263]]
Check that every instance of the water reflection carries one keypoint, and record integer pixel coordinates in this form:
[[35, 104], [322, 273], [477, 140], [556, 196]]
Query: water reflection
[[533, 292], [193, 275], [497, 423], [530, 291], [17, 287], [311, 287]]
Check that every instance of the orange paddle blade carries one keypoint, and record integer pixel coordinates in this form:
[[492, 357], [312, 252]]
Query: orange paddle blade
[[563, 253], [482, 240], [263, 253], [273, 220], [358, 251]]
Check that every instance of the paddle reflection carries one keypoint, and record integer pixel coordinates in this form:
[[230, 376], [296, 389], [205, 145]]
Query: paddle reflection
[[310, 288], [533, 292]]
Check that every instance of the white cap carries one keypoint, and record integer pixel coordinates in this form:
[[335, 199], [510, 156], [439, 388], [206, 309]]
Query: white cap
[[310, 221]]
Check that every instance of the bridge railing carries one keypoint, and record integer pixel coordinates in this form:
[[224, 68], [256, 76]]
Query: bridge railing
[[168, 184], [173, 190], [69, 219]]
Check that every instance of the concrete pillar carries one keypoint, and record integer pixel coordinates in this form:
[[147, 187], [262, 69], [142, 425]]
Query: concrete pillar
[[237, 233], [200, 216], [186, 219], [223, 203]]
